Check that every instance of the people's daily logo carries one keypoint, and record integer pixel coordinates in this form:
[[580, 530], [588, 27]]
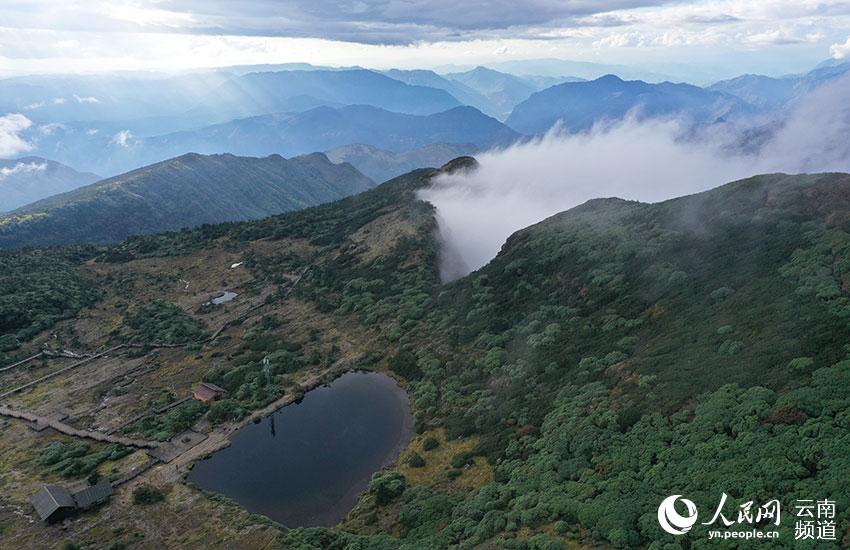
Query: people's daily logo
[[815, 519], [672, 521]]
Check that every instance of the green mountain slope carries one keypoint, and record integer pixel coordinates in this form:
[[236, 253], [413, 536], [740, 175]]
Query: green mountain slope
[[186, 191], [608, 357]]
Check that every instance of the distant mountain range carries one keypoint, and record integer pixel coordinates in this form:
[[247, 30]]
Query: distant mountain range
[[187, 191], [768, 92], [459, 90], [382, 165], [28, 179], [503, 90], [288, 91], [288, 134], [212, 96], [492, 92], [577, 106], [112, 124]]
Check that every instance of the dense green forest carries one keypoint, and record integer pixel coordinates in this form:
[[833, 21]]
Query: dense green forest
[[39, 287], [610, 356]]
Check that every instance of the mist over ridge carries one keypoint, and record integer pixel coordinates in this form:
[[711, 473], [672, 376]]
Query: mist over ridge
[[647, 160]]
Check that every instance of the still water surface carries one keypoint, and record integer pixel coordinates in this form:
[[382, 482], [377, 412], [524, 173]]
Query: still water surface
[[306, 464], [223, 298]]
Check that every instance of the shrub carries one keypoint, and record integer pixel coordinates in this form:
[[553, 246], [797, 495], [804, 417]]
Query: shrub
[[415, 460], [144, 495], [561, 527], [225, 410], [163, 322], [462, 459], [404, 364], [430, 443], [8, 342], [801, 364], [730, 347], [77, 459], [386, 486]]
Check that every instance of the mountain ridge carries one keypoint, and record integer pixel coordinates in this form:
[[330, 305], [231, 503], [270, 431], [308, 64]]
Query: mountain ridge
[[290, 134], [185, 191], [25, 180], [580, 105]]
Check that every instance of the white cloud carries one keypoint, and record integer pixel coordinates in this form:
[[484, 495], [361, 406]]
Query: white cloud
[[11, 127], [50, 128], [40, 104], [775, 37], [52, 35], [148, 16], [647, 161], [840, 51], [21, 168], [123, 138], [88, 99], [529, 182]]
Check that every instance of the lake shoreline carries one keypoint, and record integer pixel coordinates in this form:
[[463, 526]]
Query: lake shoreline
[[346, 467]]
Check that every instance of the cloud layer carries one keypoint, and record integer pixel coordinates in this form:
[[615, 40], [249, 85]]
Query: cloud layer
[[647, 161], [22, 168], [63, 35], [11, 128]]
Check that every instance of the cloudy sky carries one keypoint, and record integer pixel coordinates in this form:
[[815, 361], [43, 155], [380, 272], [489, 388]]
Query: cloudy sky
[[718, 37]]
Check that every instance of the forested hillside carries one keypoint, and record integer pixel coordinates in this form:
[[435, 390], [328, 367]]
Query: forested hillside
[[186, 191], [602, 362]]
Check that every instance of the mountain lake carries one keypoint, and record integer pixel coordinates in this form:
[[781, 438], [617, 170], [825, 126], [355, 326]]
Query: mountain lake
[[307, 463]]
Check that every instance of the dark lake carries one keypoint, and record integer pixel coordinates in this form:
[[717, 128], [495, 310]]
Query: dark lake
[[306, 464]]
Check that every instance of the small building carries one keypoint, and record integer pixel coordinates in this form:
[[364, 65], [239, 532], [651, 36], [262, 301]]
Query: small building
[[53, 503], [93, 495], [205, 391]]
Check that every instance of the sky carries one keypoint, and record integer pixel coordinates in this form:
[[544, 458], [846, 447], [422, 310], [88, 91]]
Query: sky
[[703, 39]]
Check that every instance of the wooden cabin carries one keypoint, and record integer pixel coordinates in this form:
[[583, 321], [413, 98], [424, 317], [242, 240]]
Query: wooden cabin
[[206, 391]]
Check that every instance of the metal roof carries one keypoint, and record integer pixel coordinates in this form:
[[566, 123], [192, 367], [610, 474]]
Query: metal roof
[[50, 499], [206, 391], [88, 497], [213, 387]]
